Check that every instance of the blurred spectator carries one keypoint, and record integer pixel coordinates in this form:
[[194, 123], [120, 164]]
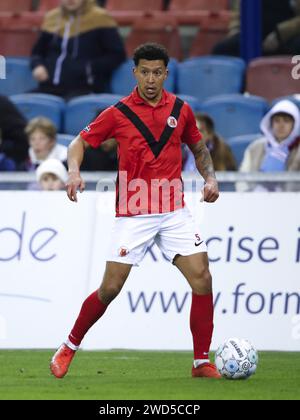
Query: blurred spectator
[[221, 154], [77, 50], [278, 149], [104, 158], [42, 141], [51, 175], [13, 139], [280, 29]]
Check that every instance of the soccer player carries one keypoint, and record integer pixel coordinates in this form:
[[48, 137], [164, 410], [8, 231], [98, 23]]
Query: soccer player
[[149, 125]]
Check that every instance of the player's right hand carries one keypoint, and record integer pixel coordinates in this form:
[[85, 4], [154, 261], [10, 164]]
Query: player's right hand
[[74, 183]]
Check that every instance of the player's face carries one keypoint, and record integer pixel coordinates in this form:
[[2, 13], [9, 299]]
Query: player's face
[[282, 126], [72, 5], [150, 76]]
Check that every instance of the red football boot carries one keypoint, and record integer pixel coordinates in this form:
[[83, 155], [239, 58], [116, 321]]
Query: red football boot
[[61, 361], [205, 370]]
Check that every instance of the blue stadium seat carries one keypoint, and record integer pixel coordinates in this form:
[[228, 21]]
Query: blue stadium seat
[[235, 114], [238, 145], [208, 76], [192, 101], [294, 98], [34, 105], [46, 97], [84, 109], [64, 139], [271, 77], [123, 80], [18, 77]]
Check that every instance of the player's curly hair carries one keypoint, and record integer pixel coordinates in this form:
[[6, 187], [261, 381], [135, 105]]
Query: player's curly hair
[[151, 51]]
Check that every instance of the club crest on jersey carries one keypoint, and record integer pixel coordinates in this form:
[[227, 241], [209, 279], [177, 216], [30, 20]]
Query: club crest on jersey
[[123, 251], [87, 128], [172, 122]]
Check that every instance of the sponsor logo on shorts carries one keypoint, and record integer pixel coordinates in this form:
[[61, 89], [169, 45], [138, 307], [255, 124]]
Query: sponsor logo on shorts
[[172, 122], [123, 251], [198, 240], [87, 128]]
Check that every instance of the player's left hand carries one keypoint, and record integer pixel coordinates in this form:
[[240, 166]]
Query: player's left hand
[[210, 191]]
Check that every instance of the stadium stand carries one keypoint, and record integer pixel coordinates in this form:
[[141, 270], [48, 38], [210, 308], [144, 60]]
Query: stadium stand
[[211, 5], [46, 97], [80, 111], [294, 98], [18, 77], [235, 114], [238, 145], [192, 101], [208, 76], [203, 12], [19, 32], [45, 5], [15, 5], [136, 5], [159, 28], [271, 77], [34, 105], [210, 32], [64, 139], [123, 80]]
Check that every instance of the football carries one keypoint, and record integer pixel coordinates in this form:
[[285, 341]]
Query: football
[[236, 359]]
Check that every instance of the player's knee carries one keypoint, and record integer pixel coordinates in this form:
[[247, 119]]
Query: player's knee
[[109, 292], [202, 283]]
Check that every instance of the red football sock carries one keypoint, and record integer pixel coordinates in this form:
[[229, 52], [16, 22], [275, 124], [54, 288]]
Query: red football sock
[[201, 323], [91, 310]]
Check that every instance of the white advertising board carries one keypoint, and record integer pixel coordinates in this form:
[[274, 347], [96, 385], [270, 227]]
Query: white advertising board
[[52, 255]]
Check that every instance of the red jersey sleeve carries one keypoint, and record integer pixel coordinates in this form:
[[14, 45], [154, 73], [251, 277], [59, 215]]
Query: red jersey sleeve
[[101, 129], [191, 133]]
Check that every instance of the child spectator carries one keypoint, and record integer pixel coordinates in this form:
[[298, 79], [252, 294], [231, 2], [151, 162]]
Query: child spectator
[[41, 134], [51, 175]]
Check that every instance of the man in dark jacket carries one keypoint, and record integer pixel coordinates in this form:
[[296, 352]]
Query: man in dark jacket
[[13, 140], [77, 50]]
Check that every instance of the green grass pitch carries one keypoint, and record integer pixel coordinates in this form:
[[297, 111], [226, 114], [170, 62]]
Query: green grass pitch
[[125, 375]]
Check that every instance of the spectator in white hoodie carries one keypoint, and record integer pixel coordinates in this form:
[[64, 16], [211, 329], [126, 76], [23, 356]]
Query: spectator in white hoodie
[[278, 149], [51, 175]]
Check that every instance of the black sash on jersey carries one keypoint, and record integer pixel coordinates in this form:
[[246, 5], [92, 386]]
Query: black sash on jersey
[[155, 146]]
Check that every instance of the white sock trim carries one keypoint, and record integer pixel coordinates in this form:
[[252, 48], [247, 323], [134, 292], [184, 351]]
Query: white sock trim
[[71, 345], [199, 362]]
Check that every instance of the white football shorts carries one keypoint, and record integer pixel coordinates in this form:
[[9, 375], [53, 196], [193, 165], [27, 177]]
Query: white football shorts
[[175, 233]]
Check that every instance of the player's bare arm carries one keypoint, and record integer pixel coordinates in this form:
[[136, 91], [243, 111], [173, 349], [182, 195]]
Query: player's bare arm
[[76, 151], [205, 167]]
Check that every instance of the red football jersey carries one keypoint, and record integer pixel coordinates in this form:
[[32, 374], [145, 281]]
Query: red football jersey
[[149, 151]]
